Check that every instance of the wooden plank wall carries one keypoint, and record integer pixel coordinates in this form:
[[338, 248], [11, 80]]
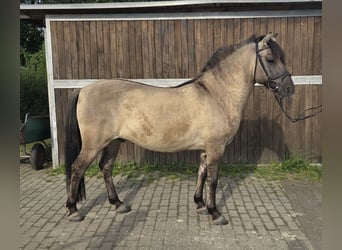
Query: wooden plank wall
[[172, 48], [179, 49]]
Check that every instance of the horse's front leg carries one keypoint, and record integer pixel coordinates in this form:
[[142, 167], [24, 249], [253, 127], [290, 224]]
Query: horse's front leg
[[214, 156], [201, 178]]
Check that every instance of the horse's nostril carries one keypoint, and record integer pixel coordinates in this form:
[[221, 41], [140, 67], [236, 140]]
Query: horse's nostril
[[289, 89]]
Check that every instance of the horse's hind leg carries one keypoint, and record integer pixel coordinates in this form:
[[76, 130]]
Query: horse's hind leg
[[78, 169], [201, 178], [106, 165]]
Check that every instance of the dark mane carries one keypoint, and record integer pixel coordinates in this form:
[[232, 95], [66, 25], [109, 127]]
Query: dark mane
[[223, 52]]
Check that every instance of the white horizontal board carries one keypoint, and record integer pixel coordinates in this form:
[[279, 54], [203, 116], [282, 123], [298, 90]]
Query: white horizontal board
[[298, 80]]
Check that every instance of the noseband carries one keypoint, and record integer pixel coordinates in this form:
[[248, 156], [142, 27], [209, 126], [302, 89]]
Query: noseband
[[273, 86]]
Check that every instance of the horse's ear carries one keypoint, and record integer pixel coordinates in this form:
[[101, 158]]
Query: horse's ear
[[267, 38], [274, 37]]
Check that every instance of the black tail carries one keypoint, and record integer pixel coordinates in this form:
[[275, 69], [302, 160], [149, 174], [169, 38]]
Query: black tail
[[73, 145]]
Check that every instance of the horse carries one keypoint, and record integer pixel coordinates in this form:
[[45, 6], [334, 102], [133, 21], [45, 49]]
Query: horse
[[203, 114]]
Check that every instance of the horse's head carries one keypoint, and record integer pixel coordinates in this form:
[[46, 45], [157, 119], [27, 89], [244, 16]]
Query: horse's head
[[270, 67]]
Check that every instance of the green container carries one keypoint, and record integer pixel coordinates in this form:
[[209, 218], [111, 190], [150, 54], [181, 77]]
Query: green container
[[35, 128]]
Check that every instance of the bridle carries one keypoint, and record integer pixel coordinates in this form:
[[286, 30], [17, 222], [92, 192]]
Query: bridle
[[271, 82], [272, 85]]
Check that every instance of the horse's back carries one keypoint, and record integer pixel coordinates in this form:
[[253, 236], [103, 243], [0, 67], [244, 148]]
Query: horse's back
[[104, 91]]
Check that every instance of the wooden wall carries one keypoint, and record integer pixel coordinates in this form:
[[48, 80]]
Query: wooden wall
[[179, 49], [172, 48]]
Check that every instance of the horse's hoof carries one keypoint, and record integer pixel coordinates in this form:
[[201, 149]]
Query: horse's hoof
[[75, 217], [123, 209], [220, 221], [202, 210]]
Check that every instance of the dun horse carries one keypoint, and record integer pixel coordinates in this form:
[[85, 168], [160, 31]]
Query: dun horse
[[201, 114]]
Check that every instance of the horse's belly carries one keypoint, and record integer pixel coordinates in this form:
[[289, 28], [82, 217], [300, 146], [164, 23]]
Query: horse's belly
[[162, 132], [163, 142], [170, 147]]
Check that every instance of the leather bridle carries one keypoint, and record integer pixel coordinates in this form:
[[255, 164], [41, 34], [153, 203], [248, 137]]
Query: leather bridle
[[273, 86], [271, 82]]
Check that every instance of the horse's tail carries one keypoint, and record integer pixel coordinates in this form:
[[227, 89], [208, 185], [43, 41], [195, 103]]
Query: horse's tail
[[73, 144]]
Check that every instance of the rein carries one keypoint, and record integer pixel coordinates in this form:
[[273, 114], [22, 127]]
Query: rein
[[272, 85], [302, 115]]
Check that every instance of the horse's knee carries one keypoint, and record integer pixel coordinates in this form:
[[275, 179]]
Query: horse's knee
[[212, 182]]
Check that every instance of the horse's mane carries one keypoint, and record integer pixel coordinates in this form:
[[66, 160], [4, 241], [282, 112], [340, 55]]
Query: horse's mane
[[223, 52]]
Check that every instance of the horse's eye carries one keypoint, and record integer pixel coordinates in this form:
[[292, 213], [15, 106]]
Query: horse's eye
[[270, 60]]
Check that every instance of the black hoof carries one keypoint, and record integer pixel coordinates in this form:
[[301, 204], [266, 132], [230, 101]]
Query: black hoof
[[123, 209], [202, 211], [75, 217], [220, 221]]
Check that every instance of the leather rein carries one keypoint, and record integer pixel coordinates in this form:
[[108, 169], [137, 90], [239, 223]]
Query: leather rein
[[272, 85]]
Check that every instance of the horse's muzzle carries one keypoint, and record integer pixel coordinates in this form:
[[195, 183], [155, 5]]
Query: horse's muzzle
[[286, 89]]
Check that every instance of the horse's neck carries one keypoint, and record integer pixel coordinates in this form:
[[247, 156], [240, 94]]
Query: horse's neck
[[232, 80]]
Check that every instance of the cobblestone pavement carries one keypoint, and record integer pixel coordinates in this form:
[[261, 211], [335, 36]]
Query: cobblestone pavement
[[260, 213]]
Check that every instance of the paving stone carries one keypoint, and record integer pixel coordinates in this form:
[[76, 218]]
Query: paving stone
[[261, 215]]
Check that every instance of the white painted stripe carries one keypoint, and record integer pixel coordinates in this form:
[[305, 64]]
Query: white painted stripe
[[298, 80], [310, 79]]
